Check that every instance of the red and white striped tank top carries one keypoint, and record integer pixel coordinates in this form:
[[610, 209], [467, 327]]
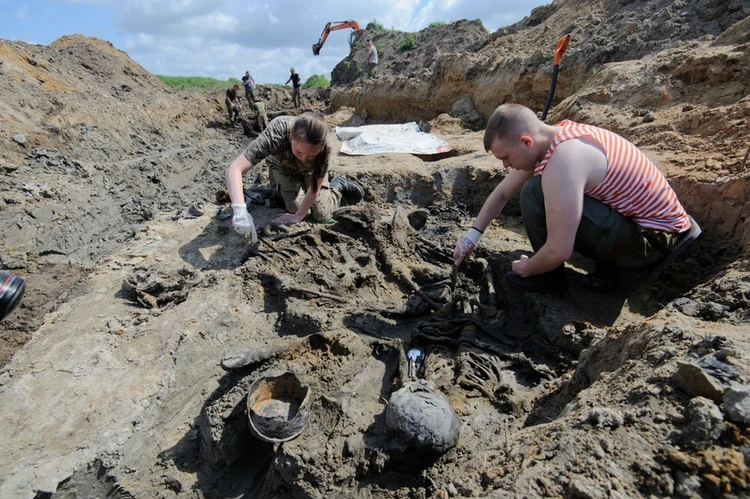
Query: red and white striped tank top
[[632, 185]]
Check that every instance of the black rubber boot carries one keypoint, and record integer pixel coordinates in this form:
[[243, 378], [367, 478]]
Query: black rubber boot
[[11, 292], [554, 282], [351, 191]]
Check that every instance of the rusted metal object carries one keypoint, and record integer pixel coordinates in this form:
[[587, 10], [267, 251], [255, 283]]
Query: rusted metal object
[[278, 408]]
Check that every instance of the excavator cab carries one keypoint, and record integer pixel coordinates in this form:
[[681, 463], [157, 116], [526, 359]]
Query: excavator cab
[[333, 26]]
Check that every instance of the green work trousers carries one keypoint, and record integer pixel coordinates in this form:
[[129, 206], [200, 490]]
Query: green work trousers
[[604, 234], [262, 120], [233, 111], [296, 97], [250, 96], [292, 188]]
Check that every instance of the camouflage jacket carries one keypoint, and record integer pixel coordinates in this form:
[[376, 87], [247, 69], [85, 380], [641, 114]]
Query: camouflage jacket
[[275, 146]]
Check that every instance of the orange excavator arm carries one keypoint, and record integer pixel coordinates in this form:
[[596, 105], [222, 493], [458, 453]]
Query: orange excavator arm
[[333, 26]]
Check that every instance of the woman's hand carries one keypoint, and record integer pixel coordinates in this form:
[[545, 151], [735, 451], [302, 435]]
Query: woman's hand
[[287, 219]]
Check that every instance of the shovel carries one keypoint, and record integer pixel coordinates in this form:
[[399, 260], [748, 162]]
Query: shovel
[[560, 48]]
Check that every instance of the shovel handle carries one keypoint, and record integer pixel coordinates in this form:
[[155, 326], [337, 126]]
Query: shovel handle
[[561, 47]]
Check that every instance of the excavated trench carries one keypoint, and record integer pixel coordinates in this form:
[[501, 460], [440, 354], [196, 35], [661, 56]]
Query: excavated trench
[[384, 282], [554, 397]]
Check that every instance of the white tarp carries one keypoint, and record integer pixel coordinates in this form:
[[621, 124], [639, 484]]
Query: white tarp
[[378, 139]]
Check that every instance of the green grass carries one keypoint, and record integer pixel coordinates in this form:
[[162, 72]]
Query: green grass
[[200, 82], [435, 24], [375, 28], [206, 83], [316, 81], [352, 66], [409, 43]]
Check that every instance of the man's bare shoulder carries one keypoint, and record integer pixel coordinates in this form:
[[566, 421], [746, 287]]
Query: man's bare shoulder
[[582, 154]]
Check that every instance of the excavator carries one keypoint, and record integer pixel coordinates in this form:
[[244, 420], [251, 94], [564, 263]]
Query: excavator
[[334, 26]]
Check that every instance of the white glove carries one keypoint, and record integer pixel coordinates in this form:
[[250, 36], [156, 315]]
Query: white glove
[[466, 244], [242, 221]]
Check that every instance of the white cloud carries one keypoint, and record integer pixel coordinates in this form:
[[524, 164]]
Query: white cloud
[[22, 12], [217, 21], [494, 15]]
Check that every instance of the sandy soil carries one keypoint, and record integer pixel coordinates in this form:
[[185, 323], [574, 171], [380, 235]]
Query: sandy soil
[[112, 207]]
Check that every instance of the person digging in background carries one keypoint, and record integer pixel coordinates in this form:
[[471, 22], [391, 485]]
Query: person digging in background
[[297, 152], [249, 83], [582, 188], [296, 86], [233, 104]]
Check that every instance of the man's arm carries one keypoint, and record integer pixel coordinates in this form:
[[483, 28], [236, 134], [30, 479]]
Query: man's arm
[[492, 207], [563, 184], [287, 82], [506, 189]]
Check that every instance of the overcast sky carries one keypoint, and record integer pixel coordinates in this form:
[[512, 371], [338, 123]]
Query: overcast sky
[[223, 38]]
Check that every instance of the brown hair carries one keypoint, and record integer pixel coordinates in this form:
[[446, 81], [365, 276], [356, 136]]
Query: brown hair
[[509, 122], [313, 129]]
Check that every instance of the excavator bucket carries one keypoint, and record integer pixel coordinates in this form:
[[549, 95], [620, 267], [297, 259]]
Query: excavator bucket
[[336, 26]]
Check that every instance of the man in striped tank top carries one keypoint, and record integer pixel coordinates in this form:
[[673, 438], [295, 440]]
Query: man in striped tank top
[[582, 188]]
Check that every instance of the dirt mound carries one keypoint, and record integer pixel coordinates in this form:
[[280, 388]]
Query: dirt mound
[[147, 318], [515, 63], [411, 55]]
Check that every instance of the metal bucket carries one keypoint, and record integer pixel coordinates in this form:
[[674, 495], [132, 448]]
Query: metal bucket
[[11, 291], [278, 408]]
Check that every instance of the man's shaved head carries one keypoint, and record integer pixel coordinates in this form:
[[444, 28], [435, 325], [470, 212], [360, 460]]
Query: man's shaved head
[[508, 122]]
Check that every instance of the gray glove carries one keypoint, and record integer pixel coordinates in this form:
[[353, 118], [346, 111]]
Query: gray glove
[[242, 222]]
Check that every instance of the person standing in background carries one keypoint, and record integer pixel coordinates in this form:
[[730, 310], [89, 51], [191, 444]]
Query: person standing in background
[[296, 86], [249, 83], [372, 58]]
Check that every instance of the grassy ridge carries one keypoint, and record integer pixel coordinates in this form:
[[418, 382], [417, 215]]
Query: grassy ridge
[[201, 82], [317, 81], [206, 83]]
